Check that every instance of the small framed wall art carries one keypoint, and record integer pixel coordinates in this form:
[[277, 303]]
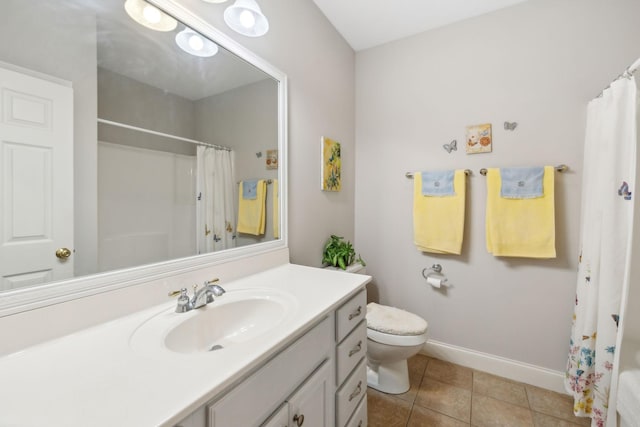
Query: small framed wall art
[[479, 139], [272, 159], [331, 165]]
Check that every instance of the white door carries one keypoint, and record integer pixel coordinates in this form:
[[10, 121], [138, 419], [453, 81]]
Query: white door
[[36, 180]]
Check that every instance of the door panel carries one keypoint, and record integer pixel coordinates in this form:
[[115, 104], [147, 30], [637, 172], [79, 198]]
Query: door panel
[[36, 179]]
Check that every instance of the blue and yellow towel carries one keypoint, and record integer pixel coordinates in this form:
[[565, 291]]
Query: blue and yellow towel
[[520, 227], [438, 221], [251, 211]]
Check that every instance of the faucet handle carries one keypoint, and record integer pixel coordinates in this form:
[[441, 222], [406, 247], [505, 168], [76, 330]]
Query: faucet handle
[[184, 302]]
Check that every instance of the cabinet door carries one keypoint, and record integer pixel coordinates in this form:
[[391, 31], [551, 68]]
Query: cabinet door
[[280, 418], [308, 405]]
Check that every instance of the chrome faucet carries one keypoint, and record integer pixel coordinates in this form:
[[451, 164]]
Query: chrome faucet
[[201, 297]]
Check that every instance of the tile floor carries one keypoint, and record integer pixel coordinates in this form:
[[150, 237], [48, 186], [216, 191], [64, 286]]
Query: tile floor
[[449, 395]]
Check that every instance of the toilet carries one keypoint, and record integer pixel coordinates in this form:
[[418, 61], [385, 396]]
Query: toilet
[[393, 336]]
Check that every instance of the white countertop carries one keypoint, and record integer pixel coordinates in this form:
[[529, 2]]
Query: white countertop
[[95, 378]]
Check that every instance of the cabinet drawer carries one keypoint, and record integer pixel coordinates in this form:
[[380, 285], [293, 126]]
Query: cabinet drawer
[[359, 418], [259, 395], [350, 351], [350, 314], [349, 395]]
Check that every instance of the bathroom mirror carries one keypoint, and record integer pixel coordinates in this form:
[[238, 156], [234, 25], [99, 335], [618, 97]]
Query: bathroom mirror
[[135, 138]]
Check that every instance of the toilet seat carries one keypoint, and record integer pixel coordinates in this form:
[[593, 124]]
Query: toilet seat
[[396, 340], [393, 326]]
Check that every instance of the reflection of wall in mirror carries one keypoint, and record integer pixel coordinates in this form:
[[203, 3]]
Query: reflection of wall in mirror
[[219, 119]]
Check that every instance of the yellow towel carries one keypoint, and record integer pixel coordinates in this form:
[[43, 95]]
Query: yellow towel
[[276, 210], [520, 227], [438, 222], [251, 213]]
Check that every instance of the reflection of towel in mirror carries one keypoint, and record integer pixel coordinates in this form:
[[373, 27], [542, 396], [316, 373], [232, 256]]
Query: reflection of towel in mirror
[[276, 209], [249, 189], [251, 212], [438, 221], [520, 227]]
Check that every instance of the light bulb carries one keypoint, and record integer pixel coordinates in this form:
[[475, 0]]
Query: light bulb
[[196, 42], [247, 19], [151, 14]]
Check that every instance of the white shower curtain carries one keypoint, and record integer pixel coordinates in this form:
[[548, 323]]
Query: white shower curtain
[[216, 217], [603, 269]]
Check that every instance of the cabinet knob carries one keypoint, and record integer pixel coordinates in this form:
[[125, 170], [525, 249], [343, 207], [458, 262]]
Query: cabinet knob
[[299, 419]]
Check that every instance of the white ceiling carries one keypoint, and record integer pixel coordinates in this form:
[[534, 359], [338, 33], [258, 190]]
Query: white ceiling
[[368, 23]]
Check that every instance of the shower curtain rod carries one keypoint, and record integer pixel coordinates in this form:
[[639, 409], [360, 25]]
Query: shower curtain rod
[[627, 73], [166, 135]]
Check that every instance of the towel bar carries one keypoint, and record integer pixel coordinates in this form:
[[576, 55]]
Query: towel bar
[[467, 172], [269, 181], [559, 168]]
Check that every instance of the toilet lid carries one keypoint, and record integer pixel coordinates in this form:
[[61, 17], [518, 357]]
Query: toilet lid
[[391, 320]]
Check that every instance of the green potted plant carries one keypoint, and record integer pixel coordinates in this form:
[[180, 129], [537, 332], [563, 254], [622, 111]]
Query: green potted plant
[[340, 253]]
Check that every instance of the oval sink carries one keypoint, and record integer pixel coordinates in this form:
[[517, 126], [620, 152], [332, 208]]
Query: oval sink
[[235, 318], [218, 327]]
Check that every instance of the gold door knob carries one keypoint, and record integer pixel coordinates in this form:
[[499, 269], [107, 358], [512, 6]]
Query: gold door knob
[[63, 253]]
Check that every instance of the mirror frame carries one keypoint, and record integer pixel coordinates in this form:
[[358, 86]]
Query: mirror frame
[[19, 300]]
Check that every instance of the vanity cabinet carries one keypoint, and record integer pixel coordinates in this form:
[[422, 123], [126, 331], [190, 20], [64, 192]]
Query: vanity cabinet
[[299, 376], [351, 364], [308, 405], [320, 380]]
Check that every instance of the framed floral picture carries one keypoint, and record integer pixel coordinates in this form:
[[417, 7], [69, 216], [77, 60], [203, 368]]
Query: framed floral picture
[[331, 165], [479, 139]]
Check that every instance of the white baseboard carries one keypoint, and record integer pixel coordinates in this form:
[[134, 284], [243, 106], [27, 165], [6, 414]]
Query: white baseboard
[[507, 368]]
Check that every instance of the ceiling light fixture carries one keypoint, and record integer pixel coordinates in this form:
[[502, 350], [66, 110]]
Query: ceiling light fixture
[[195, 44], [246, 18], [149, 16]]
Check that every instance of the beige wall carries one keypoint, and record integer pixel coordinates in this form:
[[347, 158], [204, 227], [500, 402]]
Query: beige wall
[[537, 64]]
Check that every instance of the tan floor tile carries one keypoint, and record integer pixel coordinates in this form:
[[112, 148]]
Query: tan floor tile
[[450, 373], [542, 420], [417, 364], [500, 388], [489, 412], [554, 404], [384, 410], [423, 417], [445, 398]]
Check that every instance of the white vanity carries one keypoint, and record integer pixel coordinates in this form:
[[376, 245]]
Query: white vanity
[[306, 360]]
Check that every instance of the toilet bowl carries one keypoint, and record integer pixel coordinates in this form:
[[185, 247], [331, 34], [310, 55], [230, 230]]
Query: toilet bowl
[[393, 336]]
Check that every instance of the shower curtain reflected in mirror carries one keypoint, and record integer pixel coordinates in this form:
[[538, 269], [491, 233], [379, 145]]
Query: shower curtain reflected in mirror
[[216, 223], [605, 234]]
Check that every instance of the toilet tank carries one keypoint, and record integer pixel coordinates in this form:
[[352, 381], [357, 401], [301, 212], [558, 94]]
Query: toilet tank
[[356, 268]]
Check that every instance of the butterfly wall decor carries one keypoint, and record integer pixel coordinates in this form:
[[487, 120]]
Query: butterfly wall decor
[[452, 146], [624, 191], [510, 125]]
